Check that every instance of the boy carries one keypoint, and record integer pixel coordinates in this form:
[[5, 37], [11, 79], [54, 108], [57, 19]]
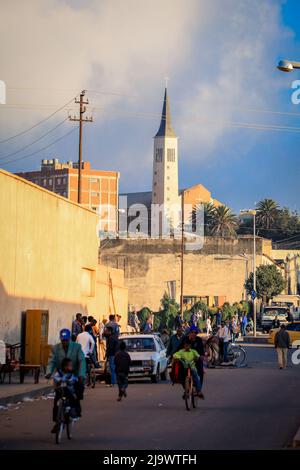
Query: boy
[[64, 376], [122, 365], [189, 357]]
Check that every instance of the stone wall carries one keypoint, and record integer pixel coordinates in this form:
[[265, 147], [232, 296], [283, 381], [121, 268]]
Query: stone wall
[[217, 271]]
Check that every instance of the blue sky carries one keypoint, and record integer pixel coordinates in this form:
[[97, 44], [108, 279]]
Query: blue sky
[[224, 88]]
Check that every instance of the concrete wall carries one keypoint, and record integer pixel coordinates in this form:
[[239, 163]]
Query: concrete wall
[[218, 270], [49, 259]]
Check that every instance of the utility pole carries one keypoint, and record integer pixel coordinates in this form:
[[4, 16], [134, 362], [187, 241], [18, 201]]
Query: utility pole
[[182, 255], [254, 272], [81, 119]]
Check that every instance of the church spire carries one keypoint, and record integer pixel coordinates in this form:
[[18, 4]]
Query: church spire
[[165, 128]]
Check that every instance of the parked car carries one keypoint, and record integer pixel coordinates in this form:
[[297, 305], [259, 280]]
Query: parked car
[[270, 313], [293, 330], [148, 355]]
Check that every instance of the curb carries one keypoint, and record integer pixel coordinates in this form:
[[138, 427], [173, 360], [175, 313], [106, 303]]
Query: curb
[[30, 394], [296, 439]]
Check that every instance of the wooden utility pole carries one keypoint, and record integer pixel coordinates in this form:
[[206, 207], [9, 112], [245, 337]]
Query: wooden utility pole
[[81, 119], [182, 254]]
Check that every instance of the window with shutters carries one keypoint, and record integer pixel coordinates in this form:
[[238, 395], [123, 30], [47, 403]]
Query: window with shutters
[[171, 155], [159, 155]]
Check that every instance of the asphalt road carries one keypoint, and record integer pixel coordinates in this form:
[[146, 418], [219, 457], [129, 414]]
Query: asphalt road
[[250, 408]]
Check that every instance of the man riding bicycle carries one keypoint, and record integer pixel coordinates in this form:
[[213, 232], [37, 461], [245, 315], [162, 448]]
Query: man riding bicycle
[[73, 351], [197, 345], [189, 358]]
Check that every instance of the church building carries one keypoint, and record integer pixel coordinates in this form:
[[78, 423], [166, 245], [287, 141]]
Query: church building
[[163, 203]]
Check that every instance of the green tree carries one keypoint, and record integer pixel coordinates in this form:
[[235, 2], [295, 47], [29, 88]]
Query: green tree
[[267, 213], [223, 222], [269, 282]]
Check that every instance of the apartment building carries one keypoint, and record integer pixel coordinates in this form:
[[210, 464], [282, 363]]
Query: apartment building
[[99, 189]]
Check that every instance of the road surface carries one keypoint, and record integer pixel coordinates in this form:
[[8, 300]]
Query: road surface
[[250, 408]]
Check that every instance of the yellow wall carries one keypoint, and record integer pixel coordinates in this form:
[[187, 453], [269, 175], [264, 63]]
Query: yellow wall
[[46, 241]]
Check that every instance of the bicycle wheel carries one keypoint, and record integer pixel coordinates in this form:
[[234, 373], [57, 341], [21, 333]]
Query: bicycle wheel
[[69, 427], [195, 398], [188, 392], [60, 425], [239, 355]]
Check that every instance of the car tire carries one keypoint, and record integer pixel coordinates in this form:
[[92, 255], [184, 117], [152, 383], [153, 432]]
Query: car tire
[[155, 377]]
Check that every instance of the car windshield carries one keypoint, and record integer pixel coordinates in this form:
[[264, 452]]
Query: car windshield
[[274, 311], [139, 344]]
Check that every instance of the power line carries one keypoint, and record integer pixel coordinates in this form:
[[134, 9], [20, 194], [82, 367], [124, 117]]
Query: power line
[[34, 142], [37, 124], [41, 149]]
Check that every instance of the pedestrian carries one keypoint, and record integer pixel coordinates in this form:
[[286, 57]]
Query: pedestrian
[[174, 342], [218, 317], [208, 326], [148, 326], [84, 319], [77, 326], [134, 321], [111, 349], [224, 337], [113, 324], [244, 324], [87, 343], [178, 321], [102, 343], [122, 367], [282, 344], [165, 337]]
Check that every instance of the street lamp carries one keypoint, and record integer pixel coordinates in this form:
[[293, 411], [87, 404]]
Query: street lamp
[[254, 294], [288, 65]]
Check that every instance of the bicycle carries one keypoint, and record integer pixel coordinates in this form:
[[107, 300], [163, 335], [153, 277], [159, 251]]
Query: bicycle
[[236, 354], [90, 372], [190, 393], [63, 418]]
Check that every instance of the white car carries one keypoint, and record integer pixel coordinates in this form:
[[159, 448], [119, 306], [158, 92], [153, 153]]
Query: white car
[[148, 355]]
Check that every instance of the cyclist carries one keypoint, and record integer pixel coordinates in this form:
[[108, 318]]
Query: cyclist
[[197, 345], [68, 349], [65, 376], [189, 358]]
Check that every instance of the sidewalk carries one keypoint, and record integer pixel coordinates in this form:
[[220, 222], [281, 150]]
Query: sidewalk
[[16, 392]]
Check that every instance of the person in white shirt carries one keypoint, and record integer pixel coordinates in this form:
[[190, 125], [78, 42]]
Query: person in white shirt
[[86, 340], [225, 336], [208, 326]]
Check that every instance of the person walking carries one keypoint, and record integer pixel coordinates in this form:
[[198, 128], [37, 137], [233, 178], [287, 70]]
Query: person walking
[[86, 341], [178, 322], [122, 366], [134, 321], [111, 349], [208, 327], [77, 326], [114, 325], [282, 344], [224, 336], [244, 324]]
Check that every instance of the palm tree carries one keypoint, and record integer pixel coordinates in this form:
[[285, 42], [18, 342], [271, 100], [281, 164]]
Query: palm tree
[[223, 222], [267, 213], [208, 208]]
